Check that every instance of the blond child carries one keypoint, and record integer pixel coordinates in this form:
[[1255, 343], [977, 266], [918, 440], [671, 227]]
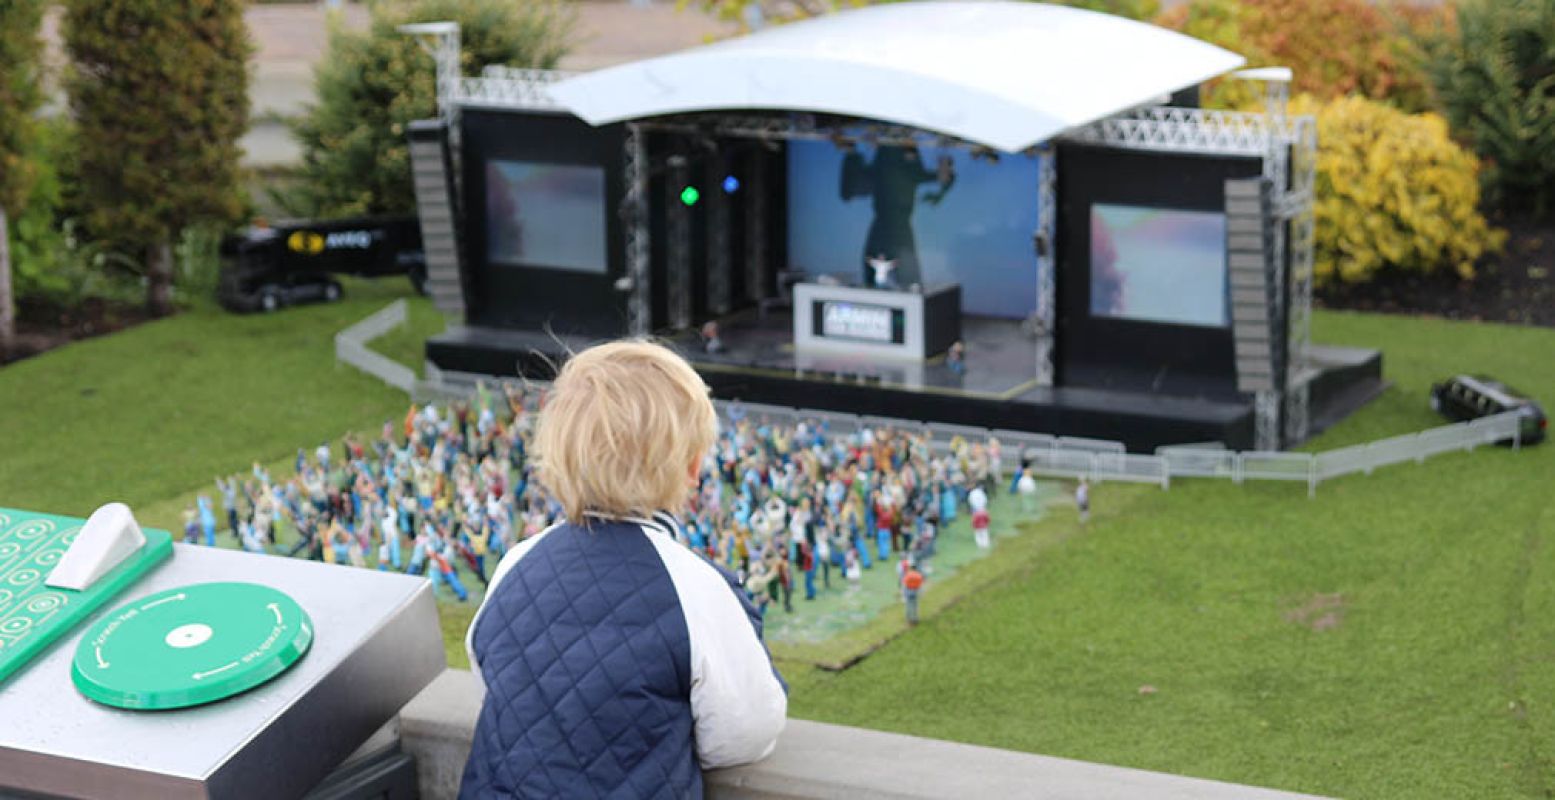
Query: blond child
[[617, 661]]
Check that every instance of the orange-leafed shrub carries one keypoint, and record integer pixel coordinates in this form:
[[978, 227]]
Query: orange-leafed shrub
[[1334, 47], [1341, 47]]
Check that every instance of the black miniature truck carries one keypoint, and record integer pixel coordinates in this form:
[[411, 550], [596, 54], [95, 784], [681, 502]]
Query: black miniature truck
[[1466, 397], [269, 267]]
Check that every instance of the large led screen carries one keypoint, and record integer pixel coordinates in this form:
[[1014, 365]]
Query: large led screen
[[933, 214], [545, 215], [1159, 265]]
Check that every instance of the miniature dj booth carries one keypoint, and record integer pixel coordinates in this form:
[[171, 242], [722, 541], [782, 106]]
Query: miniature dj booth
[[1003, 214]]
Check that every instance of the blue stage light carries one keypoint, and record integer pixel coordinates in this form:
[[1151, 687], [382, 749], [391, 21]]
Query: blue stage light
[[731, 184]]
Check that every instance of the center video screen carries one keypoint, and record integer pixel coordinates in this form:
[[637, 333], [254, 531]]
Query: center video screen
[[545, 215], [1159, 265], [929, 215]]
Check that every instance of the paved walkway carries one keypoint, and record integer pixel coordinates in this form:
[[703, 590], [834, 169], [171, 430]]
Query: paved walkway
[[291, 38]]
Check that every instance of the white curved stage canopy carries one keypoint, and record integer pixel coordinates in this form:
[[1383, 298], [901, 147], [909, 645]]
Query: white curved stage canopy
[[1003, 74]]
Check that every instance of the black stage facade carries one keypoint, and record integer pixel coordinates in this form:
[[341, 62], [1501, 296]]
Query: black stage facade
[[997, 389]]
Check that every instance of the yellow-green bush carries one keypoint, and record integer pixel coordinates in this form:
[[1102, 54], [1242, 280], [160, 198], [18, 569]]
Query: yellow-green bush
[[1393, 192]]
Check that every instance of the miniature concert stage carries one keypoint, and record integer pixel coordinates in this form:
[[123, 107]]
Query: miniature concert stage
[[1036, 229]]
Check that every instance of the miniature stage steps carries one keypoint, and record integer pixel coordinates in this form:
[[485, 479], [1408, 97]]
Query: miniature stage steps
[[1342, 380]]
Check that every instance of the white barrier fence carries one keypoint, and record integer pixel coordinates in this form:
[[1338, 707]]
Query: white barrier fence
[[1199, 462], [1049, 456], [1099, 460], [1419, 446]]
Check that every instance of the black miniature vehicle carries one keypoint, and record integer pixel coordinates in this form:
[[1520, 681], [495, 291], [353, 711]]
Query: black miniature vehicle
[[268, 268], [1466, 397]]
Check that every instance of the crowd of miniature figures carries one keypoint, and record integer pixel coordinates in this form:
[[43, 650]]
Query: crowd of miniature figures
[[446, 492]]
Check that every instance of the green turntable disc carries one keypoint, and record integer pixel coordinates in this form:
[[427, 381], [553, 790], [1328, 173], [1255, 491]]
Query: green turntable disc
[[192, 645]]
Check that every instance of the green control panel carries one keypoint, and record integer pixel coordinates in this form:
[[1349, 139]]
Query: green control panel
[[32, 614]]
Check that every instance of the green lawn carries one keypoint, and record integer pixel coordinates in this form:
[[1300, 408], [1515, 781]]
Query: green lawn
[[1394, 637], [147, 414], [845, 624]]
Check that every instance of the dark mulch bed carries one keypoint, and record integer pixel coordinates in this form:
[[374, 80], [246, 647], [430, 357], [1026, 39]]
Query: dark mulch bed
[[43, 325], [1517, 285]]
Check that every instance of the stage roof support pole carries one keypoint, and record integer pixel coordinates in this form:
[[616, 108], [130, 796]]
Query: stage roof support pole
[[1290, 163], [1266, 420], [717, 237], [1298, 208], [1270, 406], [677, 241], [440, 40], [1276, 88], [635, 223], [756, 227], [1044, 319]]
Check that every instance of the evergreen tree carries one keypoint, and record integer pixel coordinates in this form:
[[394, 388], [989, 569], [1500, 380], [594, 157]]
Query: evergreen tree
[[159, 89], [21, 53], [1496, 80], [372, 84]]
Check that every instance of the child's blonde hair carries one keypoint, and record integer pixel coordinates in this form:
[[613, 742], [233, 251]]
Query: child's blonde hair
[[621, 426]]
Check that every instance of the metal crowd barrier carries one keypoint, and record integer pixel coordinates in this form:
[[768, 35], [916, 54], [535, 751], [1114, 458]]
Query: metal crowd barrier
[[1199, 462], [1101, 460], [1344, 461], [1276, 466]]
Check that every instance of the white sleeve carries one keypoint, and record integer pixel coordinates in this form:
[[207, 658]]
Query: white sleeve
[[503, 568], [737, 702]]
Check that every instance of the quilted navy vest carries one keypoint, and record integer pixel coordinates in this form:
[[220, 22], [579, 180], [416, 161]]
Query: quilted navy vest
[[587, 661]]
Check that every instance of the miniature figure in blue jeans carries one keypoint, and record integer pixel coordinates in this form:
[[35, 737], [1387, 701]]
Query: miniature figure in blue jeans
[[207, 521]]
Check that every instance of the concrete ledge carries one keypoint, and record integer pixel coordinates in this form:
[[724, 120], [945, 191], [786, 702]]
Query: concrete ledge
[[816, 760], [436, 728]]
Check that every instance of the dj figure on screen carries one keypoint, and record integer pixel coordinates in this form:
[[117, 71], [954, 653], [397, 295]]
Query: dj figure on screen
[[892, 180]]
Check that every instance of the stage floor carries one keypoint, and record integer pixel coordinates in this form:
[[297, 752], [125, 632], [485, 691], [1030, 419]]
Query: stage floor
[[998, 388], [1000, 362]]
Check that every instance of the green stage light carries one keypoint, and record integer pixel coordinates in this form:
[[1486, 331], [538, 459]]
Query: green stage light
[[690, 196]]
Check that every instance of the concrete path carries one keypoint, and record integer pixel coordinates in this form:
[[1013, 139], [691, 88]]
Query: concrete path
[[291, 38]]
